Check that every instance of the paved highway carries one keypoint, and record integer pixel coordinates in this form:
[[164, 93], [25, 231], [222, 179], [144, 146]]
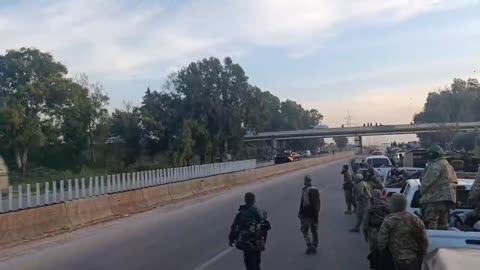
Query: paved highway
[[192, 235]]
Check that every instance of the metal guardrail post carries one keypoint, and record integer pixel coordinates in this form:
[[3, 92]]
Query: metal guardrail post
[[102, 184], [10, 198], [77, 189], [54, 189], [83, 188], [90, 186], [96, 190], [20, 197], [69, 189], [62, 191], [124, 182], [29, 196], [37, 193], [47, 193], [109, 183]]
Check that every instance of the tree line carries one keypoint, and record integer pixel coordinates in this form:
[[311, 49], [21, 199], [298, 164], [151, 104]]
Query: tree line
[[201, 113], [459, 102]]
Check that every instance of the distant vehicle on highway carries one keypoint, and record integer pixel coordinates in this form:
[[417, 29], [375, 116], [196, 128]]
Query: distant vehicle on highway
[[381, 164], [376, 153], [307, 153]]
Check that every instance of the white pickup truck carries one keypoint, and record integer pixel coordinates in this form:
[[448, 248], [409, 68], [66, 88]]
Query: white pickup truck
[[380, 163], [451, 238], [393, 184]]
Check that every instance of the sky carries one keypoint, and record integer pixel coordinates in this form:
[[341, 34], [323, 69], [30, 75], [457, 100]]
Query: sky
[[376, 59]]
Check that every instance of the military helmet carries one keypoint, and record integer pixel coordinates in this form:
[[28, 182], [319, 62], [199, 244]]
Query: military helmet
[[435, 152], [359, 176]]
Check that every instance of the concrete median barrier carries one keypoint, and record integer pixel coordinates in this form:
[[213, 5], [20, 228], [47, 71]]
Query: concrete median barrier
[[128, 202], [181, 190], [216, 183], [32, 223], [89, 210], [157, 196]]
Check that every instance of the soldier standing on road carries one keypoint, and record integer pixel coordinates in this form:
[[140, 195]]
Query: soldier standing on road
[[403, 235], [373, 218], [362, 192], [247, 232], [348, 189], [438, 189], [308, 214]]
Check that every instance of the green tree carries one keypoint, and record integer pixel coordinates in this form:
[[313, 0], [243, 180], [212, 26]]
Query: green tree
[[127, 128], [341, 141], [456, 103], [99, 100], [28, 89]]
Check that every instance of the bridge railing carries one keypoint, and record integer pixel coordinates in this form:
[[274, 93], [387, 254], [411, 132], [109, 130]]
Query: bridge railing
[[52, 192]]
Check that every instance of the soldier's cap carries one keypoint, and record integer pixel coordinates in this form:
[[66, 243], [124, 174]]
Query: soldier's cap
[[436, 149], [398, 202], [249, 198], [359, 176], [308, 179], [345, 167]]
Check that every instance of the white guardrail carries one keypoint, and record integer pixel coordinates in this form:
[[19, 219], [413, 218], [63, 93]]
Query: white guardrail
[[53, 192]]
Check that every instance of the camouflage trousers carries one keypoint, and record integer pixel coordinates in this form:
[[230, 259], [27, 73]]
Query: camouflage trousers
[[437, 215], [349, 200], [362, 206], [372, 238], [306, 225]]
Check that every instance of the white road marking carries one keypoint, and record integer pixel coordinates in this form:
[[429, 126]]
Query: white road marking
[[214, 259]]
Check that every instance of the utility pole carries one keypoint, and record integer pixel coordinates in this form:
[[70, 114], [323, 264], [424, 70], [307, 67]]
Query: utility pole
[[348, 118]]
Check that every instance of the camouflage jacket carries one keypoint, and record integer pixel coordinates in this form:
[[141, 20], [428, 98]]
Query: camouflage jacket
[[475, 192], [404, 235], [439, 183], [362, 191]]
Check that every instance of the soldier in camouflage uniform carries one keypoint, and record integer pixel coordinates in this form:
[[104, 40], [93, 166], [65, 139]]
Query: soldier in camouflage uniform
[[438, 189], [248, 232], [348, 189], [373, 219], [308, 214], [362, 192], [404, 235], [475, 193]]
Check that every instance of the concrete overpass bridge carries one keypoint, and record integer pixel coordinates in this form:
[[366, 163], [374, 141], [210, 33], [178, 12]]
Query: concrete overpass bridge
[[358, 132]]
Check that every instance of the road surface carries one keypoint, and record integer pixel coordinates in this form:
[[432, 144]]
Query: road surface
[[192, 235]]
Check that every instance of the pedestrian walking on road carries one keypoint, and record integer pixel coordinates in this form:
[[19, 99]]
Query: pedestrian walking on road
[[372, 221], [348, 189], [308, 214], [248, 232], [438, 189], [362, 192], [403, 235]]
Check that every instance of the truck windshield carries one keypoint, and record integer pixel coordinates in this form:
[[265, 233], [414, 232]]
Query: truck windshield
[[378, 162]]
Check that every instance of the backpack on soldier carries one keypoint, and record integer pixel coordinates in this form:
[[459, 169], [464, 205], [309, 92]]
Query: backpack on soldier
[[376, 216], [249, 233]]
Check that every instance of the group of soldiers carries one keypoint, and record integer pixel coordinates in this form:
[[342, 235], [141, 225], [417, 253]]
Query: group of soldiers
[[250, 226], [396, 238]]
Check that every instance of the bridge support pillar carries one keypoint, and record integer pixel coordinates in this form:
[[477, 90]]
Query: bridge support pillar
[[358, 145], [274, 146]]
